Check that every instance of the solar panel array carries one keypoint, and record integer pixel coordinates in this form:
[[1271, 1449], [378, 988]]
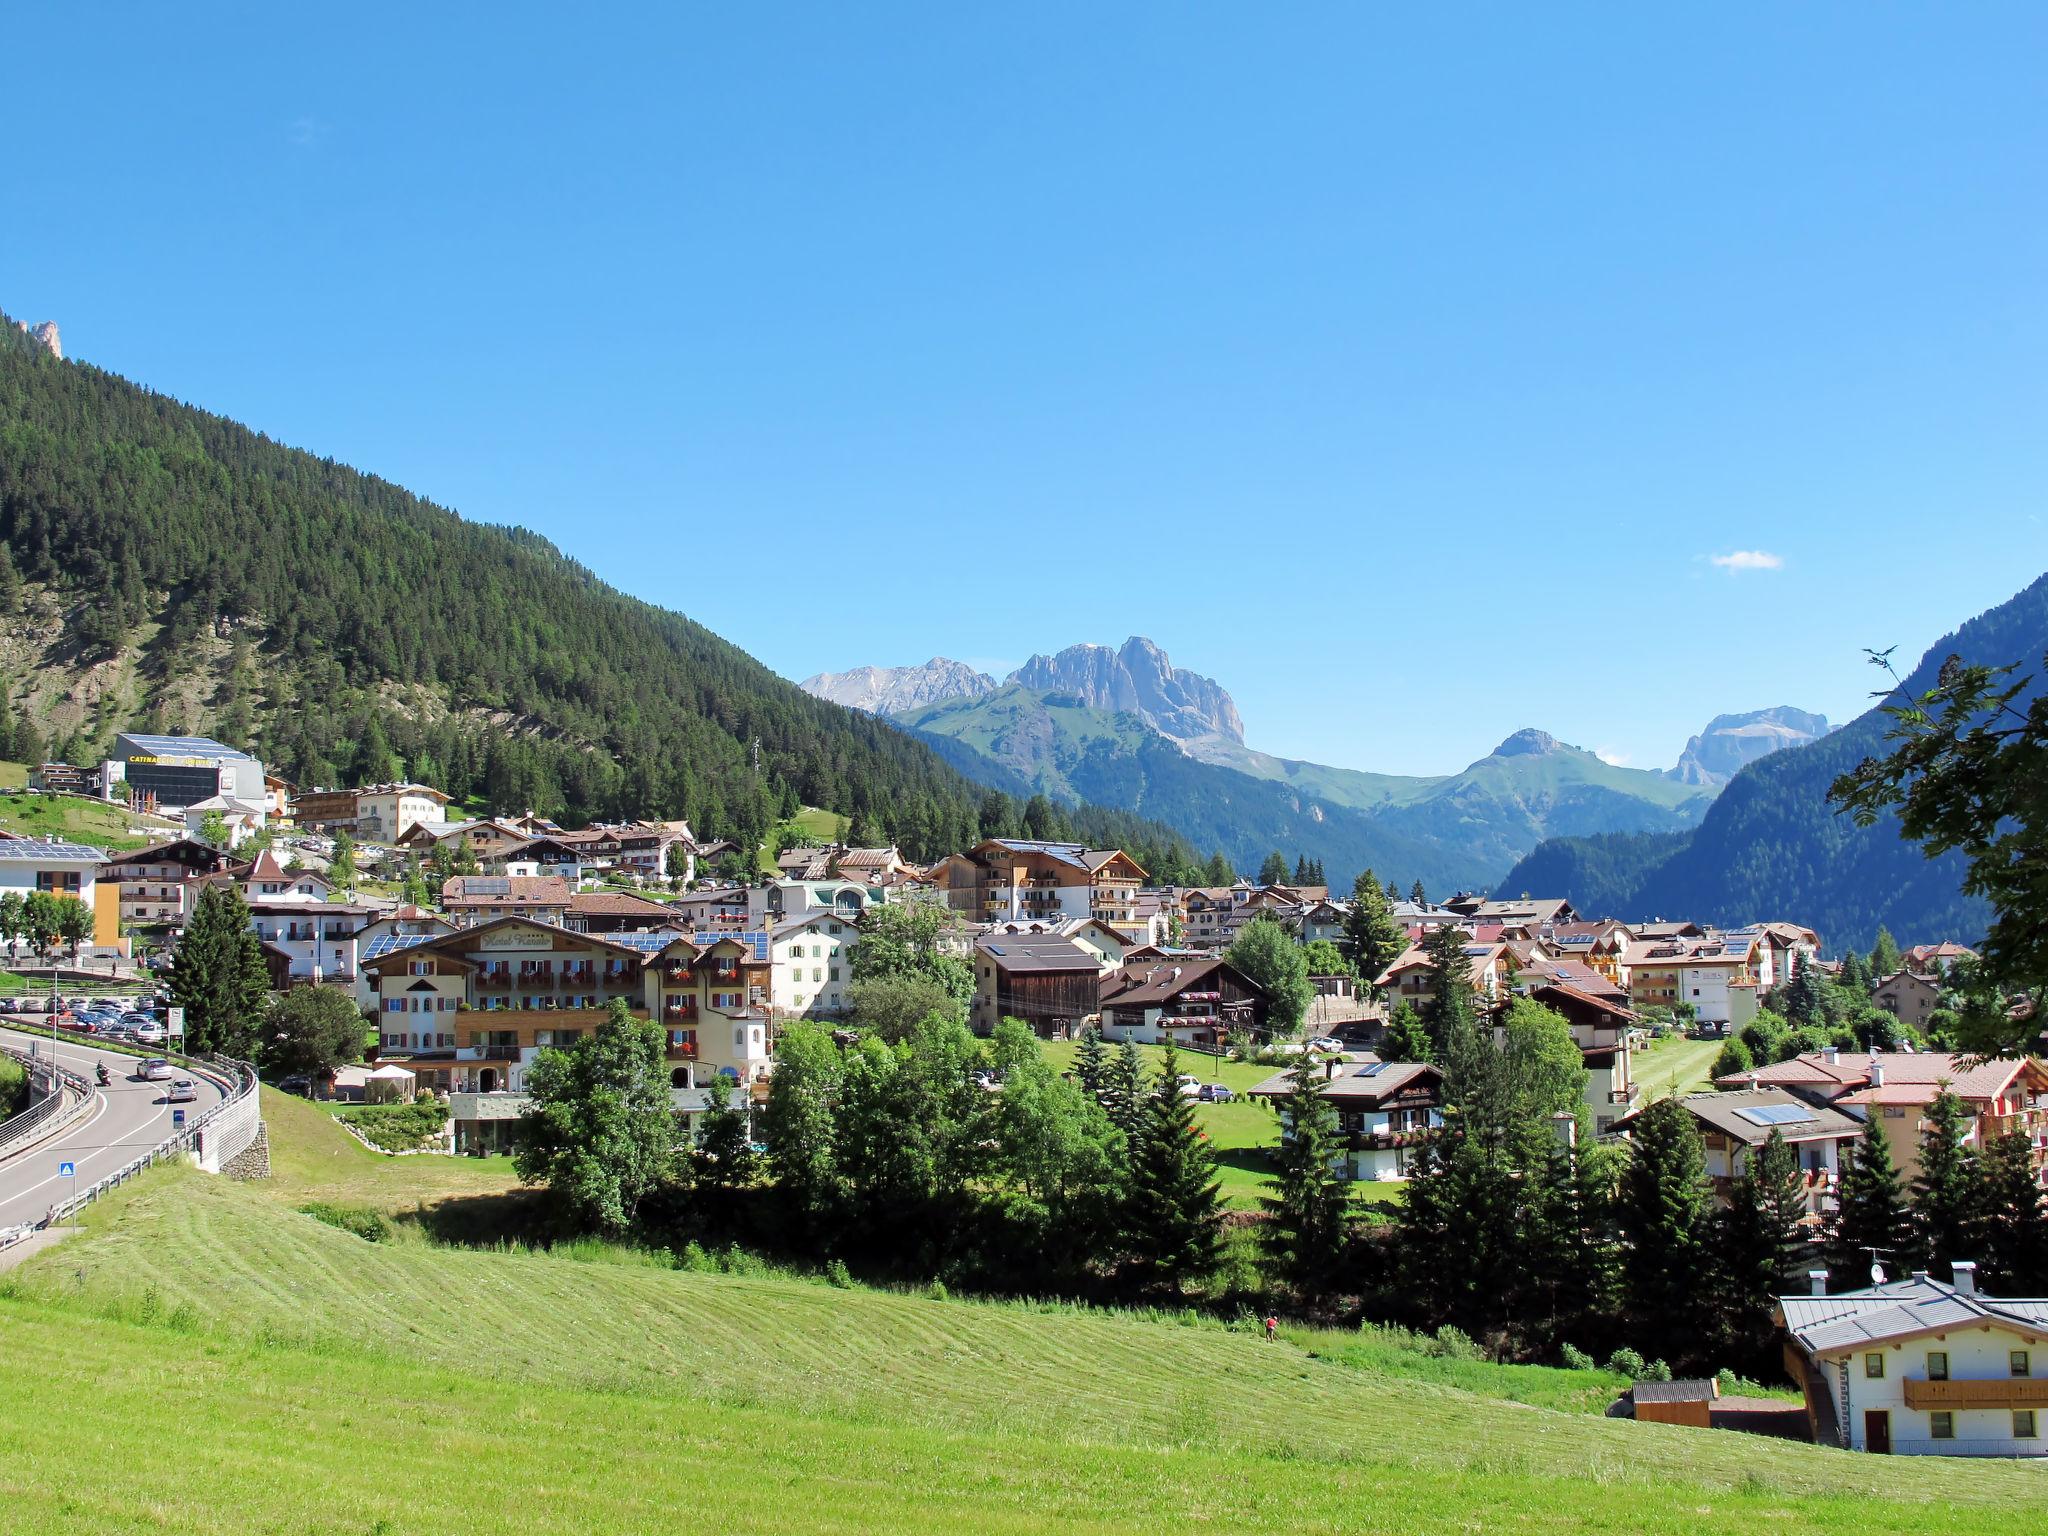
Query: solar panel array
[[390, 943], [32, 848], [180, 746], [1775, 1114]]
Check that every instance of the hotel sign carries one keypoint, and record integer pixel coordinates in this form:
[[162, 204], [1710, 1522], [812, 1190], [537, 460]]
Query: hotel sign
[[516, 938]]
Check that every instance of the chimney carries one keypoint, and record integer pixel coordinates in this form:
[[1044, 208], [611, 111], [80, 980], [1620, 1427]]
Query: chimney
[[1832, 1055], [1965, 1273], [1876, 1071], [1817, 1282], [1330, 1069]]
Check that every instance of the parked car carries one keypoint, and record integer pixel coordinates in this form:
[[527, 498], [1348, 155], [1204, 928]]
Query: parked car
[[1190, 1086], [1215, 1093], [1326, 1043], [156, 1070], [151, 1033], [181, 1091], [10, 1005]]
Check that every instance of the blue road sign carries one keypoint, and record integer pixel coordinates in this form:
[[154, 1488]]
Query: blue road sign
[[177, 1117], [67, 1170]]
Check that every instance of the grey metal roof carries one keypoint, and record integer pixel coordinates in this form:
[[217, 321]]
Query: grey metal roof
[[1673, 1391], [1898, 1309], [179, 746]]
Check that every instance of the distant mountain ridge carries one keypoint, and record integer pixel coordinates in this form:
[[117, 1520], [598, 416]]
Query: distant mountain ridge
[[1773, 846], [1137, 678], [1731, 742], [890, 690]]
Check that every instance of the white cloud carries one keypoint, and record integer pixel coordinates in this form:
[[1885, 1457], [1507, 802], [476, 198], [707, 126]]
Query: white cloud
[[1611, 758], [1748, 560]]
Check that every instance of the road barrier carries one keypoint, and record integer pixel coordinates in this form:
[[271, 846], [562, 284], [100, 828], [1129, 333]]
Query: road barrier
[[57, 1096], [215, 1137]]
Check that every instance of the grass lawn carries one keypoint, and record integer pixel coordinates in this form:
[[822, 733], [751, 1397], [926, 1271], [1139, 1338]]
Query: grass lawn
[[1242, 1131], [313, 1159], [74, 818], [816, 825], [294, 1377], [1675, 1064]]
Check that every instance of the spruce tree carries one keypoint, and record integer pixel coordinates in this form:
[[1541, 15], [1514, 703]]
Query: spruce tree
[[1406, 1037], [1948, 1194], [1448, 1010], [1802, 1006], [1372, 938], [1759, 1244], [217, 975], [2015, 1221], [1274, 869], [1123, 1092], [1091, 1063], [1873, 1225], [1884, 954], [1663, 1215], [1308, 1217], [1416, 895], [1175, 1209]]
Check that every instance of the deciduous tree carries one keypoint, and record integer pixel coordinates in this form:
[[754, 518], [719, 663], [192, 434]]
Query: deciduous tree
[[600, 1128]]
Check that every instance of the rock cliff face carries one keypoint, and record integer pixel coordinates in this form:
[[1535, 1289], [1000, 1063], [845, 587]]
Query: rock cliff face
[[43, 334], [1729, 742], [891, 690], [1140, 679]]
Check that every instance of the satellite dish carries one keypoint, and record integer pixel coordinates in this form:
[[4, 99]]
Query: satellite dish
[[1877, 1274]]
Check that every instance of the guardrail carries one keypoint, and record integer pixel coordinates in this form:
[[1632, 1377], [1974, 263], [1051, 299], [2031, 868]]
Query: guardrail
[[61, 1096], [215, 1137]]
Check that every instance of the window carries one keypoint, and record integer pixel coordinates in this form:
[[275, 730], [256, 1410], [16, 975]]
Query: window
[[1941, 1425], [1937, 1365], [2020, 1363], [1873, 1365], [2023, 1423]]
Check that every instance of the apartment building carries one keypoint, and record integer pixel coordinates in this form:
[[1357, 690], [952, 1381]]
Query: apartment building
[[473, 899], [811, 965], [376, 813], [156, 883], [467, 1012], [1719, 975], [1197, 1000], [1015, 879], [1735, 1123], [1385, 1111]]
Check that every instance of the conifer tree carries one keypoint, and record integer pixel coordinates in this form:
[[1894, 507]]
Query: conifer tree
[[1301, 869], [1274, 869], [1663, 1215], [1372, 938], [1308, 1217], [1448, 1010], [1406, 1037], [2015, 1220], [1123, 1092], [1759, 1243], [217, 975], [1948, 1194], [341, 868], [1393, 893], [1416, 895], [1091, 1063], [1175, 1209], [1884, 954], [1873, 1226], [1802, 1007]]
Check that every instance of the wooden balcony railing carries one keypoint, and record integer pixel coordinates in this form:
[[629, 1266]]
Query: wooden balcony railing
[[1989, 1392]]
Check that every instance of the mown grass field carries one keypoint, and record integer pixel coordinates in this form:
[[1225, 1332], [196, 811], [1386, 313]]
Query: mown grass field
[[205, 1358], [1675, 1065]]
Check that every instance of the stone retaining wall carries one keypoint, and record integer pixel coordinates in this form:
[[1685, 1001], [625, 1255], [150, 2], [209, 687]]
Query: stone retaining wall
[[253, 1161]]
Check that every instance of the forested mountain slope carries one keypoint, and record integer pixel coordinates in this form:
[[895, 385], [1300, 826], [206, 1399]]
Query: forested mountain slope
[[1773, 846], [165, 566]]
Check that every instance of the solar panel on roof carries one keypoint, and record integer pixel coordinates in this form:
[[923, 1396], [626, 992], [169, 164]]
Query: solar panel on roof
[[1775, 1114], [1372, 1069], [487, 885]]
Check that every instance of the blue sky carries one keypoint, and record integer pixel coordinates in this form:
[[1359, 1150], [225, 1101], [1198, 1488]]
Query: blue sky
[[1404, 368]]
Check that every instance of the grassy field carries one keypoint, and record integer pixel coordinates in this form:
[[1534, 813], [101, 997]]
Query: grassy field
[[294, 1377], [1675, 1064], [815, 825], [543, 1392], [73, 818]]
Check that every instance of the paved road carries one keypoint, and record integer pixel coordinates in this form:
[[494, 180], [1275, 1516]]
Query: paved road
[[127, 1118]]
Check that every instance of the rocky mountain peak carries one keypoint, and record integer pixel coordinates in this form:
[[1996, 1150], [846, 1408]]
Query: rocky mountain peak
[[1528, 742], [890, 690], [1729, 742], [1142, 680]]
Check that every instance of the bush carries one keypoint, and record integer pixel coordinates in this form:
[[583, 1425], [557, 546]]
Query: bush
[[837, 1274], [1456, 1344], [1656, 1370], [1575, 1358], [1728, 1382], [937, 1291], [1626, 1362], [359, 1220]]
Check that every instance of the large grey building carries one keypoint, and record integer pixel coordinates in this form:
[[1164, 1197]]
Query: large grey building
[[167, 773]]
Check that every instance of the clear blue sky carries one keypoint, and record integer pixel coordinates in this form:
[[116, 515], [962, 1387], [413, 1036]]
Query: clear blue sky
[[1403, 367]]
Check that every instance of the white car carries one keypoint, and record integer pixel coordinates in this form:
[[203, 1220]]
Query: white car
[[156, 1070], [181, 1092], [1326, 1043], [151, 1034], [1190, 1086]]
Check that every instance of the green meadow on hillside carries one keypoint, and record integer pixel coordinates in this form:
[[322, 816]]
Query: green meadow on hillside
[[293, 1376]]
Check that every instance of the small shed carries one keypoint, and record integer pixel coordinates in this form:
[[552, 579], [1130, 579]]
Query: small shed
[[1675, 1402], [389, 1084]]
